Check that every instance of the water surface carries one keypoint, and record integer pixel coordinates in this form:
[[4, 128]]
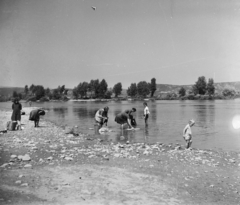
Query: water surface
[[213, 128]]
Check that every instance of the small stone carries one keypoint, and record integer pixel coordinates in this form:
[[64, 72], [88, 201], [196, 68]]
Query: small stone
[[121, 146], [20, 157], [49, 158], [13, 156], [211, 186], [24, 184], [68, 158], [18, 182], [122, 138], [28, 166], [106, 157], [26, 157], [11, 160], [4, 165], [127, 142], [20, 176]]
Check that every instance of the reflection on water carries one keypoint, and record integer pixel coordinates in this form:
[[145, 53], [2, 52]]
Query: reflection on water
[[213, 128]]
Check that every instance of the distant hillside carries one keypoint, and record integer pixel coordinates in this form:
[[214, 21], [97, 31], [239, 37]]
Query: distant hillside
[[8, 91], [161, 88]]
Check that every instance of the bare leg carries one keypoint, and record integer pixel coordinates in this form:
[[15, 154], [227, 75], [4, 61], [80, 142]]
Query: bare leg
[[19, 125]]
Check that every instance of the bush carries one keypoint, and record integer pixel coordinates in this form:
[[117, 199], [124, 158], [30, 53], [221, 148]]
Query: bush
[[33, 99], [228, 92], [43, 99]]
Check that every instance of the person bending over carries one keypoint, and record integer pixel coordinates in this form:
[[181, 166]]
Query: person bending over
[[35, 116], [126, 117], [101, 117]]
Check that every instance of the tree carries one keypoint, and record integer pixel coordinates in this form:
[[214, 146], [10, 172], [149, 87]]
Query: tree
[[56, 95], [229, 92], [117, 89], [82, 89], [26, 89], [32, 88], [103, 87], [200, 87], [62, 89], [96, 87], [15, 94], [132, 90], [75, 92], [210, 86], [153, 86], [182, 91], [143, 88], [47, 92], [91, 87], [39, 91], [108, 94]]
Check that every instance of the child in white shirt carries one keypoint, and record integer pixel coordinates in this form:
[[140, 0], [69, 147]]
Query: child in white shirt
[[146, 113], [187, 133]]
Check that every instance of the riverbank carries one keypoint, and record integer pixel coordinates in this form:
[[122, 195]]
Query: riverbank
[[46, 166]]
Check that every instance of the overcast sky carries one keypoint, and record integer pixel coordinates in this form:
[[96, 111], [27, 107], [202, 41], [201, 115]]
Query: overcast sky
[[65, 42]]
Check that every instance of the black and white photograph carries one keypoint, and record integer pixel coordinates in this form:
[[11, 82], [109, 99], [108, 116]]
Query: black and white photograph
[[119, 102]]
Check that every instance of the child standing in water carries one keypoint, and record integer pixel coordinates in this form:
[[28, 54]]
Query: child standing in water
[[187, 133], [146, 113]]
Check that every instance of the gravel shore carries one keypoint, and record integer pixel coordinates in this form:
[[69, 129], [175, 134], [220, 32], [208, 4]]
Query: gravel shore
[[45, 165]]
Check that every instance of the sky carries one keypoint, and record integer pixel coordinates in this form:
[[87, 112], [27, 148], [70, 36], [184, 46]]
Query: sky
[[65, 42]]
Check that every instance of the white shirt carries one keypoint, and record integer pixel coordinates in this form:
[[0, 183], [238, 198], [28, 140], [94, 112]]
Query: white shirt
[[187, 130], [146, 111]]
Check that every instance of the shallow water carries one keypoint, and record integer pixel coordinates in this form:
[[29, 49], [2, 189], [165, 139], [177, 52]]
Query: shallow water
[[213, 128]]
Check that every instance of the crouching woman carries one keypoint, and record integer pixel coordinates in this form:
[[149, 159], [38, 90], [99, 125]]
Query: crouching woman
[[35, 116]]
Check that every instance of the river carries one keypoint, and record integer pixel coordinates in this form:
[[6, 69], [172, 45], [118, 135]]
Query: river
[[213, 129]]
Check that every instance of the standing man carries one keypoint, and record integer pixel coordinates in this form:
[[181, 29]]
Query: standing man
[[187, 133], [101, 117]]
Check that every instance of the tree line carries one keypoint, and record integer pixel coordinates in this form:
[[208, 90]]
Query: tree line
[[203, 90], [38, 92], [99, 89]]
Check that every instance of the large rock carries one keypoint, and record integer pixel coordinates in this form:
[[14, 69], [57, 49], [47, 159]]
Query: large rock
[[26, 157]]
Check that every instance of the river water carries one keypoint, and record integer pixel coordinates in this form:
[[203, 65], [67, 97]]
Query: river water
[[213, 129]]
